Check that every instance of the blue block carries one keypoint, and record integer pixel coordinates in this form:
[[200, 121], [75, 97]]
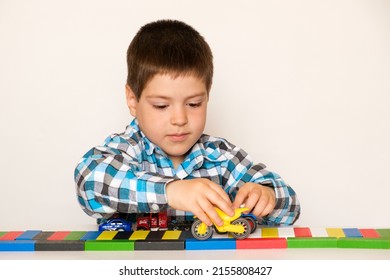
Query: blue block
[[17, 245], [28, 235], [352, 232], [91, 235], [211, 244]]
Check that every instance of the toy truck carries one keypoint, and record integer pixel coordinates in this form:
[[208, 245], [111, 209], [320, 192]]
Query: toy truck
[[152, 221]]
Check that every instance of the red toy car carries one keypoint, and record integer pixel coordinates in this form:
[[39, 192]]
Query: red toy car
[[153, 221]]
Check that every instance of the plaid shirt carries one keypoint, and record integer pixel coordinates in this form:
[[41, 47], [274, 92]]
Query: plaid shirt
[[128, 174]]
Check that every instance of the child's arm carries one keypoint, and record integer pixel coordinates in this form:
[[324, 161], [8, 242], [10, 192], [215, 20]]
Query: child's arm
[[268, 196], [110, 178], [264, 192]]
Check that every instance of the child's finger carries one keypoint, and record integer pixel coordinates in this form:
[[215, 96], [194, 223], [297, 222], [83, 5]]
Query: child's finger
[[252, 201], [201, 215], [208, 208], [215, 200], [260, 207], [268, 209], [241, 196], [221, 192]]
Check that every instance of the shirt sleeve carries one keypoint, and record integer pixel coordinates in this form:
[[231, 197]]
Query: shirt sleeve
[[109, 179], [240, 170]]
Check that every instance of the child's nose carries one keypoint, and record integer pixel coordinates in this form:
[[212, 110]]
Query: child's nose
[[179, 117]]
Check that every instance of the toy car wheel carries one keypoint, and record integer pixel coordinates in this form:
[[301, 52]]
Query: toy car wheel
[[199, 236], [247, 228], [252, 223]]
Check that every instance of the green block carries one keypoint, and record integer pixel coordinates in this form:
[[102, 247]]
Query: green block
[[311, 242], [383, 232], [364, 243], [2, 233], [109, 245], [75, 235]]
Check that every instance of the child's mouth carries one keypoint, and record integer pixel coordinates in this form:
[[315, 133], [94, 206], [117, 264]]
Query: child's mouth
[[178, 137]]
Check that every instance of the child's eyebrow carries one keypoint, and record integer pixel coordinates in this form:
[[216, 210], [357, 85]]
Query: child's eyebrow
[[158, 96]]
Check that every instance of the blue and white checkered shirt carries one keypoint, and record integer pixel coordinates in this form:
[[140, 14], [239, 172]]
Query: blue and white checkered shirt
[[128, 174]]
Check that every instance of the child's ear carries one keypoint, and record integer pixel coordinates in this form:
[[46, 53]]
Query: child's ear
[[131, 101]]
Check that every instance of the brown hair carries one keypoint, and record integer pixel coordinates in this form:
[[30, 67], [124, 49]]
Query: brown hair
[[167, 47]]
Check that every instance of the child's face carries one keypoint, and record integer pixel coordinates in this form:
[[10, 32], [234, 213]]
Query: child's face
[[171, 112]]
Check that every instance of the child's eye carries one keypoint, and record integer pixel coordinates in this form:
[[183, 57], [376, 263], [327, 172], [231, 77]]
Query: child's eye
[[195, 105], [160, 107]]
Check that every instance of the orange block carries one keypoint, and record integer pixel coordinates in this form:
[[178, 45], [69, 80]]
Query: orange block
[[369, 233], [59, 235]]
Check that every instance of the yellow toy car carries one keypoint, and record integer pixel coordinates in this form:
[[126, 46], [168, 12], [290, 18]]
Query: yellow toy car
[[238, 226]]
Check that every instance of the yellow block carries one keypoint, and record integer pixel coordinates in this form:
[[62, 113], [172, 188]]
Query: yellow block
[[107, 235], [269, 232], [139, 235], [171, 235], [335, 232]]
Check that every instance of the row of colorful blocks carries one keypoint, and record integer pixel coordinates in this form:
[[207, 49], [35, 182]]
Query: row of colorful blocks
[[264, 238]]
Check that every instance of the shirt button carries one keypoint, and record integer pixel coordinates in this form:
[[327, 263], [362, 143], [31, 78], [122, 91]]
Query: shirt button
[[155, 207]]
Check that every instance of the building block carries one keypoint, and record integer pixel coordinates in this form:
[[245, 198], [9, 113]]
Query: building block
[[59, 245], [319, 232], [109, 245], [184, 235], [171, 235], [286, 232], [91, 235], [384, 232], [269, 232], [139, 235], [28, 235], [312, 242], [211, 244], [352, 232], [364, 243], [44, 235], [302, 232], [58, 235], [17, 245], [335, 232], [75, 235], [261, 243], [107, 235], [159, 245], [155, 235], [2, 233], [369, 233], [11, 235], [123, 235]]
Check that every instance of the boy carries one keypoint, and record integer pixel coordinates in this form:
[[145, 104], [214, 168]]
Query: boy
[[163, 160]]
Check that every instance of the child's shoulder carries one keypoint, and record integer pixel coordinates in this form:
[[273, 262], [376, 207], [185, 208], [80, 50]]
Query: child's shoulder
[[217, 143], [131, 140]]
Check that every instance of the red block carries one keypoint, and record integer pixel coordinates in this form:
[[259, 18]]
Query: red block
[[12, 235], [261, 243], [369, 233], [59, 235], [302, 232]]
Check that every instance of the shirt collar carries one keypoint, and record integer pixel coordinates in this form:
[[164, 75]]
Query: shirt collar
[[202, 149], [150, 147]]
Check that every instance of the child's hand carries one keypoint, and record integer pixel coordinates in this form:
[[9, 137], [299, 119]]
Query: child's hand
[[199, 196], [260, 200]]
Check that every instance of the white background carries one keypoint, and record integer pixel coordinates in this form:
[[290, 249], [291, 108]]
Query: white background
[[303, 86]]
